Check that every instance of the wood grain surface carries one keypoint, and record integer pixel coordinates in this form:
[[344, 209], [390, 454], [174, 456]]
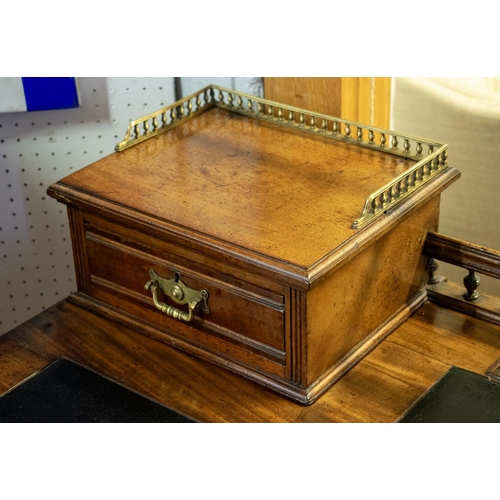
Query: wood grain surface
[[281, 201], [379, 389], [256, 185], [323, 95]]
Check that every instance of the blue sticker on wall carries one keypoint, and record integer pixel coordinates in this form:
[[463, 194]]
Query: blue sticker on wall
[[50, 93]]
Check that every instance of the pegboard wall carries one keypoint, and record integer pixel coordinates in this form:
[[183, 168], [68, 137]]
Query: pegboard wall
[[38, 149]]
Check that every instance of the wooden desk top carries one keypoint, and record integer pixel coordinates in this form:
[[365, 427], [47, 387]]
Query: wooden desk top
[[379, 389]]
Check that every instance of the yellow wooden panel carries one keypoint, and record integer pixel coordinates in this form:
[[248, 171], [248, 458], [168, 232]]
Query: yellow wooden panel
[[366, 100], [360, 99]]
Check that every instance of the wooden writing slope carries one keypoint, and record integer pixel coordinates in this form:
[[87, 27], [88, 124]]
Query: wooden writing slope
[[236, 251], [281, 244]]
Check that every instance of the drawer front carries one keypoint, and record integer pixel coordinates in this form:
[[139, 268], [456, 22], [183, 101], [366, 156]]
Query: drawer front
[[243, 323]]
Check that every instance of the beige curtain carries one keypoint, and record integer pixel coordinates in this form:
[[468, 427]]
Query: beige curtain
[[465, 114]]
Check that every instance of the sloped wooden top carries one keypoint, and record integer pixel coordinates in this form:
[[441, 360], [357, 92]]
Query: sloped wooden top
[[272, 190]]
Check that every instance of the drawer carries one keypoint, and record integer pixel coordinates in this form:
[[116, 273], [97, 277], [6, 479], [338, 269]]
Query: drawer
[[244, 322]]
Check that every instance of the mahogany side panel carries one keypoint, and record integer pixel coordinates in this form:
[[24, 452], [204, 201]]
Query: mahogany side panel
[[368, 290]]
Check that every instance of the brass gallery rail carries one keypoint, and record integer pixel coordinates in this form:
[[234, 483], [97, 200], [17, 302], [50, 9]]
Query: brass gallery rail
[[377, 203]]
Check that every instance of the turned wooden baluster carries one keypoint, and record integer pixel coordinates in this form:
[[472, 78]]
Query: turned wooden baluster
[[471, 282], [432, 267]]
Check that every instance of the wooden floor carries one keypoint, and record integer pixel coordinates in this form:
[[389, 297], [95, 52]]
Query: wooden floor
[[379, 389]]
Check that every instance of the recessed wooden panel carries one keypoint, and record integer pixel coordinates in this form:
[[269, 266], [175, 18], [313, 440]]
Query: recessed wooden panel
[[120, 273]]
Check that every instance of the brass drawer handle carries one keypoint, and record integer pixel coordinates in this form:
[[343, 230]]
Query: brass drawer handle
[[180, 293]]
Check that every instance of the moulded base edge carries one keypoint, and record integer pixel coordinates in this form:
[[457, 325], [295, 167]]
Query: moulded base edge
[[303, 395]]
